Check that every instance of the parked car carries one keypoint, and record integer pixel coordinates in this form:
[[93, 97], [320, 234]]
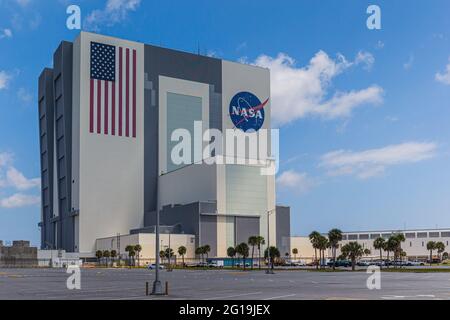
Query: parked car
[[341, 263], [414, 263], [153, 266], [239, 265], [363, 263]]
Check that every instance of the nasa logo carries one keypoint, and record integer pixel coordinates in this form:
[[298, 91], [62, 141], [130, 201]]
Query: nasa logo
[[247, 112]]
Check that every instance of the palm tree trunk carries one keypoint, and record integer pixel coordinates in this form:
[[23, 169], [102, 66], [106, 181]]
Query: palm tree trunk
[[253, 251], [315, 258], [259, 257]]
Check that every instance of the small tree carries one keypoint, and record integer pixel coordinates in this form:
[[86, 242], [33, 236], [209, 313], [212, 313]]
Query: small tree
[[295, 253], [270, 254], [314, 238], [354, 251], [107, 254], [379, 244], [334, 237], [231, 252], [243, 250], [182, 251], [431, 246], [260, 242], [99, 255], [206, 250], [199, 252], [113, 254], [440, 247], [162, 254], [138, 249], [323, 244], [253, 242], [367, 252], [129, 249]]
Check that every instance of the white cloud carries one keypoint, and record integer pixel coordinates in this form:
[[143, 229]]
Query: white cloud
[[16, 179], [4, 79], [6, 33], [444, 77], [407, 65], [23, 3], [379, 45], [370, 163], [114, 12], [5, 158], [300, 182], [298, 92], [24, 95], [19, 200]]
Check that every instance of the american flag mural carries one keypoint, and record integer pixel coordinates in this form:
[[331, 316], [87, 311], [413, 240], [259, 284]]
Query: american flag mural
[[112, 109]]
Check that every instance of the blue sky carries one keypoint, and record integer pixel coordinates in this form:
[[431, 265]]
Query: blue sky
[[363, 113]]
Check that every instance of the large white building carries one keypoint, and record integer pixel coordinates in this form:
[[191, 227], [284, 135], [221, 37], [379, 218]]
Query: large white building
[[109, 111]]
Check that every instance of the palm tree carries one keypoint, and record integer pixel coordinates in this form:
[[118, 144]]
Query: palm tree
[[440, 247], [322, 245], [367, 252], [314, 237], [400, 237], [379, 244], [243, 250], [431, 245], [162, 254], [206, 250], [352, 250], [391, 246], [168, 253], [132, 254], [334, 236], [253, 241], [99, 255], [270, 254], [260, 242], [129, 249], [113, 254], [199, 252], [231, 252], [295, 253], [182, 251], [107, 254], [138, 249]]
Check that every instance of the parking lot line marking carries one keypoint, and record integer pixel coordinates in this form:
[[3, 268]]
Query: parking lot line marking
[[280, 297], [233, 296]]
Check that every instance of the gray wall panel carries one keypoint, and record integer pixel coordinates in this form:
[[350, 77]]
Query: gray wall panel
[[246, 227], [283, 225], [181, 65], [208, 233]]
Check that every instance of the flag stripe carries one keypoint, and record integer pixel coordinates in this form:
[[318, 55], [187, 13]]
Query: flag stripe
[[134, 93], [99, 106], [106, 106], [120, 90], [91, 108], [127, 114], [113, 109]]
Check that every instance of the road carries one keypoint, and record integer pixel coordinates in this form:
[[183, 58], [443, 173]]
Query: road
[[123, 284]]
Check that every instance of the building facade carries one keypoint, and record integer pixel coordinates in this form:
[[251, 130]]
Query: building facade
[[127, 128], [415, 244]]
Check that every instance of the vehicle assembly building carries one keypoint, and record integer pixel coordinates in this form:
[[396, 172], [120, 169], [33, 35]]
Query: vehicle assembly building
[[123, 131]]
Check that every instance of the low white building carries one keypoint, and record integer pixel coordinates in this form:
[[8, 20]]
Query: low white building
[[415, 244], [147, 242]]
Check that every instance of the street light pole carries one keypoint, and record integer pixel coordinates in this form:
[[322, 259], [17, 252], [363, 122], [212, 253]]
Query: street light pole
[[157, 287], [269, 255]]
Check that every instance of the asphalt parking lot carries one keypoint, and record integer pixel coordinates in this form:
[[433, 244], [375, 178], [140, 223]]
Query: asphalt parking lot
[[123, 284]]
